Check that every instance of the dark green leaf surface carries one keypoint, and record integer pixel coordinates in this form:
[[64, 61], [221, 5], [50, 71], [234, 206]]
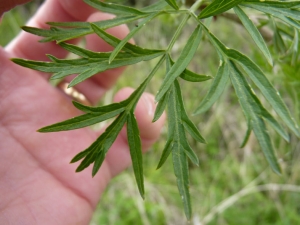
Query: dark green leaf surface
[[101, 109], [288, 16], [85, 67], [260, 80], [267, 89], [81, 29], [216, 89], [80, 155], [276, 126], [81, 121], [103, 143], [189, 75], [193, 131], [128, 47], [134, 142], [191, 154], [93, 150], [278, 42], [217, 7], [182, 62], [179, 156], [276, 4], [161, 107], [173, 4], [251, 108], [254, 33], [166, 152], [276, 11], [98, 162], [185, 120], [247, 135]]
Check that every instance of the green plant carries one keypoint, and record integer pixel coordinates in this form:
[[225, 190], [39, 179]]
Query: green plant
[[282, 17]]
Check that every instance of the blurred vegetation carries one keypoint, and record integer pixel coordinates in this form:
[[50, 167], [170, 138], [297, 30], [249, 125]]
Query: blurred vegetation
[[232, 186]]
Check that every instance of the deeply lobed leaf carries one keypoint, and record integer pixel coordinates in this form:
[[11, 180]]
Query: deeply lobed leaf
[[252, 108], [135, 146]]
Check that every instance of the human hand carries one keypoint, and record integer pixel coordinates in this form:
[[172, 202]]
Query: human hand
[[37, 183], [7, 5]]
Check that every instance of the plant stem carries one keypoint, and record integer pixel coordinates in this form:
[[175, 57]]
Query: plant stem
[[178, 31], [194, 7], [138, 92]]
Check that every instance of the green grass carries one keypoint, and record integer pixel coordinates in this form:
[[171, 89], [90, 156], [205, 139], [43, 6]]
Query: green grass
[[231, 185]]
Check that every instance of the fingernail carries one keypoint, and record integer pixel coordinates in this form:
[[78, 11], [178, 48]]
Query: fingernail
[[148, 104]]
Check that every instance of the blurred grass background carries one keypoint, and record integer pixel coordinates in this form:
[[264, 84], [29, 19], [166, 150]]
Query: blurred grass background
[[232, 186]]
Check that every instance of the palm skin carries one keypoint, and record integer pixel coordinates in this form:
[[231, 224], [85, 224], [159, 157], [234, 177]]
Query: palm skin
[[37, 183]]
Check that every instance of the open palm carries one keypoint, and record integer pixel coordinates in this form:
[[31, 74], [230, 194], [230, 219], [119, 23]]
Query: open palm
[[37, 183]]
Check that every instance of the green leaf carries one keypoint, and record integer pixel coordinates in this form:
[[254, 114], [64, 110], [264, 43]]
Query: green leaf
[[93, 150], [289, 16], [194, 132], [218, 7], [134, 142], [247, 136], [166, 152], [181, 171], [275, 11], [101, 109], [264, 140], [260, 80], [278, 42], [103, 143], [113, 8], [216, 89], [121, 44], [85, 67], [98, 162], [293, 50], [173, 4], [190, 76], [81, 121], [254, 33], [276, 126], [80, 156], [182, 62], [179, 156], [267, 89], [276, 4], [185, 120], [81, 29], [161, 107], [252, 108], [57, 34], [113, 41], [84, 52], [192, 155]]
